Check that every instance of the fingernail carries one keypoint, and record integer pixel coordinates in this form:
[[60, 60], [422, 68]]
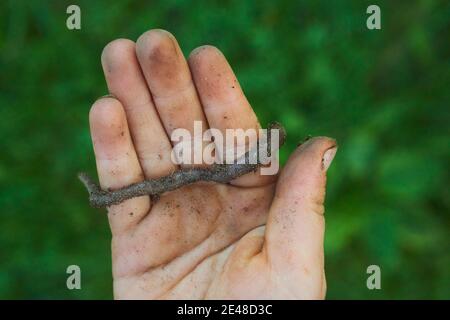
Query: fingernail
[[328, 157], [109, 95]]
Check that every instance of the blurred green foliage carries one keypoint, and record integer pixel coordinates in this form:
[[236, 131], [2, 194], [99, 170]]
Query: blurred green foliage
[[313, 65]]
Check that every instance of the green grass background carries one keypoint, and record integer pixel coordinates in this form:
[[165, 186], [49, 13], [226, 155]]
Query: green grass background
[[313, 65]]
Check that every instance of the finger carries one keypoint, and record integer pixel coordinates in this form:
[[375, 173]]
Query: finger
[[296, 225], [248, 247], [117, 162], [223, 101], [126, 82], [170, 82]]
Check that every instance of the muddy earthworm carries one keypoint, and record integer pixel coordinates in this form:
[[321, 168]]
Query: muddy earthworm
[[220, 173]]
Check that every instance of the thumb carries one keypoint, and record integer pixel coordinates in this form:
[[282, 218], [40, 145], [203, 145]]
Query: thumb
[[296, 225]]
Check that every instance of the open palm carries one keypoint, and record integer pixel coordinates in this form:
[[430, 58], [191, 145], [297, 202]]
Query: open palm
[[257, 237]]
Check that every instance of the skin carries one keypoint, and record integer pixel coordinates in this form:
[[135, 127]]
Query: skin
[[259, 237]]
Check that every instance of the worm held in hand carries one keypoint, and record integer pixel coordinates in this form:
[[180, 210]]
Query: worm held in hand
[[220, 173]]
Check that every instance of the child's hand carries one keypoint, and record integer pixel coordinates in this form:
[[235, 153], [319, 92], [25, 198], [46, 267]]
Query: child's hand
[[260, 237]]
